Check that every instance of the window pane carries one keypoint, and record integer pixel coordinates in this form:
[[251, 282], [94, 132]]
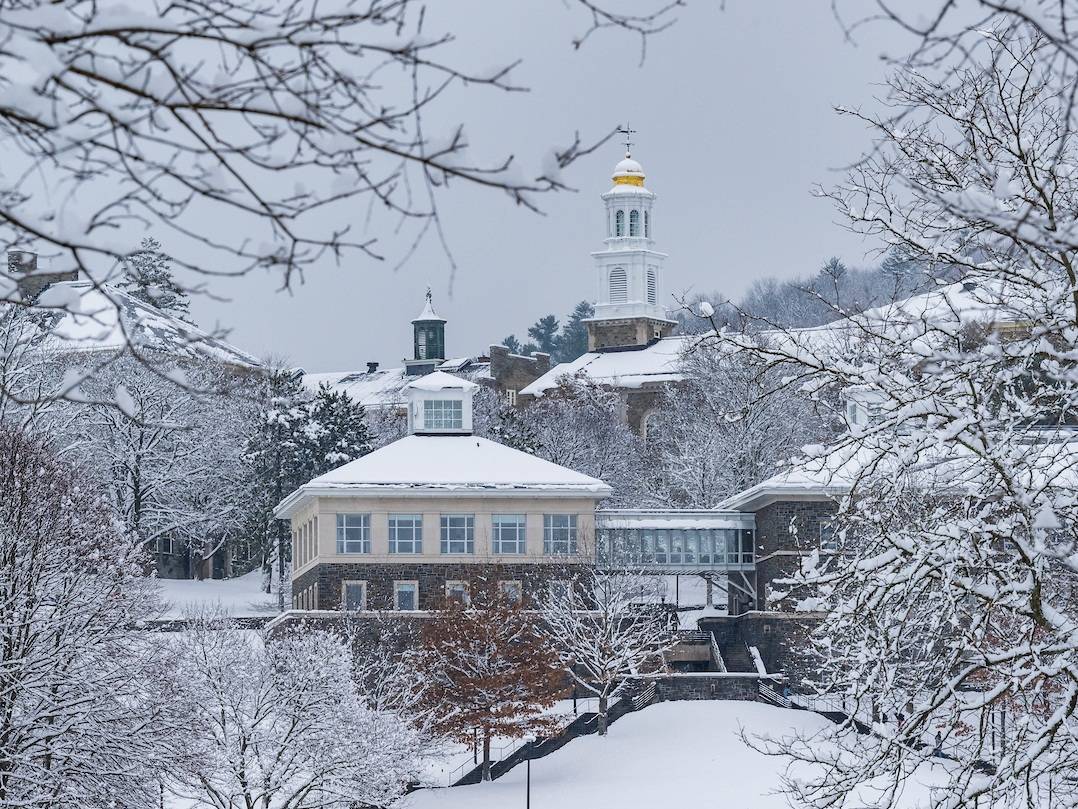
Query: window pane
[[406, 595], [405, 533], [508, 533], [353, 595], [443, 414], [559, 534], [456, 591], [511, 590], [458, 533], [353, 533]]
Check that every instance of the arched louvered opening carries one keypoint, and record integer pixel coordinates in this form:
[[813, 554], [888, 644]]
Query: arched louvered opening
[[634, 223], [619, 285], [619, 223], [652, 292]]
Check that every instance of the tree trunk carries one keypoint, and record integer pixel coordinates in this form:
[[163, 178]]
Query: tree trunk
[[486, 755], [602, 714]]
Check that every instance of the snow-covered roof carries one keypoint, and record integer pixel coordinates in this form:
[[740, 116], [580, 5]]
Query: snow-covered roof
[[440, 464], [385, 387], [440, 380], [103, 318], [699, 519], [1051, 459], [428, 313], [657, 362]]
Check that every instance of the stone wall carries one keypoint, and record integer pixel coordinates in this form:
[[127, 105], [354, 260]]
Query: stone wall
[[629, 331], [780, 637], [779, 549], [432, 578], [705, 686], [515, 371]]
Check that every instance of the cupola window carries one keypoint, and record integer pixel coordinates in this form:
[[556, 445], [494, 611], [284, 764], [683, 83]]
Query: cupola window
[[619, 223], [634, 223], [647, 224], [443, 414]]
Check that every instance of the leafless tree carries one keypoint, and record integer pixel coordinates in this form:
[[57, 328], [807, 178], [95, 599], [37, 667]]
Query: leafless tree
[[954, 593], [607, 628]]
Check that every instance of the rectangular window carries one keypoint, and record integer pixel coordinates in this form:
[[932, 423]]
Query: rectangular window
[[457, 591], [166, 544], [559, 534], [405, 533], [828, 538], [443, 414], [558, 590], [512, 590], [458, 533], [354, 595], [353, 533], [508, 534], [406, 595], [511, 397]]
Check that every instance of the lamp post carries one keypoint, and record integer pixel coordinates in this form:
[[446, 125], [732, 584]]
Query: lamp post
[[528, 783]]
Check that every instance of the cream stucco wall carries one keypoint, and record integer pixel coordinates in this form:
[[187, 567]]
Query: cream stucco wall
[[317, 519]]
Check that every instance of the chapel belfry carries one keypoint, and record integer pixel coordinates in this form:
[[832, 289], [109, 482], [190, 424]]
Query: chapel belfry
[[628, 312]]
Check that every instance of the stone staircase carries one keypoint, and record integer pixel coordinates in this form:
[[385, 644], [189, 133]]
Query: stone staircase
[[737, 658], [584, 725]]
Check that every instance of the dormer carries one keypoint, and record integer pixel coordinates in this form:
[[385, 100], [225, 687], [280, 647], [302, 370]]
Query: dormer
[[440, 404]]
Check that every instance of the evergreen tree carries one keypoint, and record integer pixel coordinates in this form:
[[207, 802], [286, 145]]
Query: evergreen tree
[[335, 432], [277, 452], [573, 340], [545, 334], [149, 278], [513, 344]]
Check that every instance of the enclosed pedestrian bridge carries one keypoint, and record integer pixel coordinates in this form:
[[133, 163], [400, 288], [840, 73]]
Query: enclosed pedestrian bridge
[[718, 546], [676, 541]]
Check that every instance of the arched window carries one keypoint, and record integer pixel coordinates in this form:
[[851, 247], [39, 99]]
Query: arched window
[[619, 285], [619, 223], [634, 223], [651, 285], [647, 224]]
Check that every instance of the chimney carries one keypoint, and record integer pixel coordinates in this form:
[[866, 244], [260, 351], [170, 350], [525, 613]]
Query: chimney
[[372, 367]]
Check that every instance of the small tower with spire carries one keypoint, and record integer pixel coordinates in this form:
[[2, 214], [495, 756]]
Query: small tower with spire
[[628, 308], [428, 340]]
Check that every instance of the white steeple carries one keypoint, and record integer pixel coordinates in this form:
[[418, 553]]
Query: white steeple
[[629, 273]]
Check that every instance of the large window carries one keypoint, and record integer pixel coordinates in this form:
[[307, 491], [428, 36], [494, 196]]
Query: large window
[[354, 595], [458, 533], [405, 533], [619, 223], [406, 595], [559, 534], [509, 533], [353, 533], [443, 414], [634, 223]]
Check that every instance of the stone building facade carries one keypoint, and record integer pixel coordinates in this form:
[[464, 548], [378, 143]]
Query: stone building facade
[[438, 514]]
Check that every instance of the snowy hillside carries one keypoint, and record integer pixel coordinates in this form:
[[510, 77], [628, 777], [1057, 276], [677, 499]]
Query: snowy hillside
[[674, 754], [241, 597]]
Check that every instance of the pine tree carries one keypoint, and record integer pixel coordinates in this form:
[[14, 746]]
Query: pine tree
[[573, 340], [278, 452], [545, 334], [514, 345], [149, 278], [335, 432]]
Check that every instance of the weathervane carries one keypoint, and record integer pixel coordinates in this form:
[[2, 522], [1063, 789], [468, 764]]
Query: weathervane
[[628, 133]]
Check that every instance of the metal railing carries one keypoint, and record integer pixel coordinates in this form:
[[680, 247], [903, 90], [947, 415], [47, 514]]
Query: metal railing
[[769, 694], [716, 654]]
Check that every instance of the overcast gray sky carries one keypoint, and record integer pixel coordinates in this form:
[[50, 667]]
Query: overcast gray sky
[[734, 109]]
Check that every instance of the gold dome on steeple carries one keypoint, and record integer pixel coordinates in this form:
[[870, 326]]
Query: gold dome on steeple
[[628, 172]]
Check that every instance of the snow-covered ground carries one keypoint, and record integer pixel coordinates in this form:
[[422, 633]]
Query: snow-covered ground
[[241, 597], [674, 754]]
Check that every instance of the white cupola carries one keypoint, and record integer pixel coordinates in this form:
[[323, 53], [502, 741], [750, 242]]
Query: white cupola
[[629, 273], [440, 404]]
